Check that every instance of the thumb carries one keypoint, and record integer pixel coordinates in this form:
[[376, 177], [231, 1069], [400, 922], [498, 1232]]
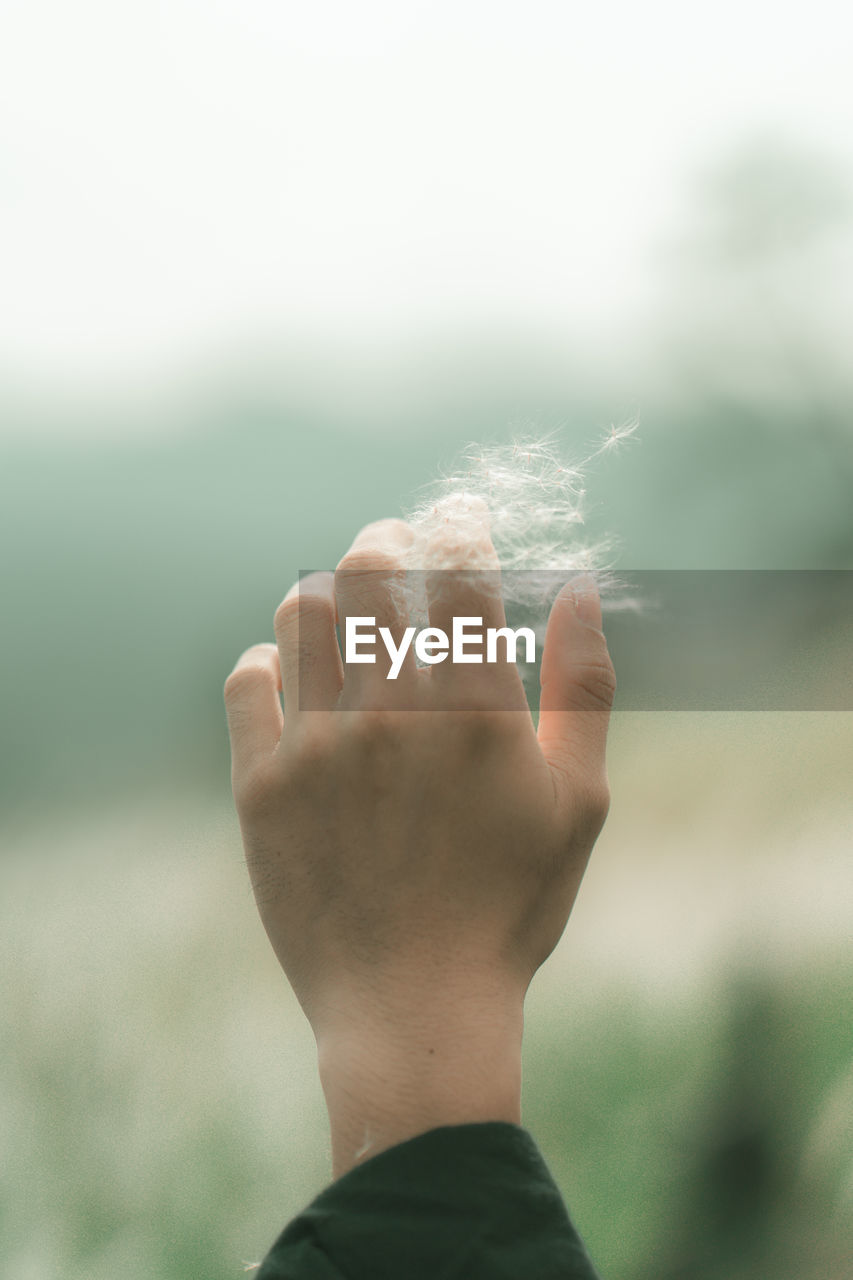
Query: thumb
[[578, 686]]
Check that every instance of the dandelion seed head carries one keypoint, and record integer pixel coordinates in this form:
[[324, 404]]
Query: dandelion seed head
[[530, 501]]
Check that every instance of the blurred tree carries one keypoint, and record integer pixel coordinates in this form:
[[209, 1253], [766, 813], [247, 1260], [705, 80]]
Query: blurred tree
[[752, 346]]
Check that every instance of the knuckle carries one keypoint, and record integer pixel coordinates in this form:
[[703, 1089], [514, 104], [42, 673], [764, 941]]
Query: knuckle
[[245, 680], [377, 735], [480, 730], [286, 616], [314, 742], [597, 683], [299, 611], [316, 610]]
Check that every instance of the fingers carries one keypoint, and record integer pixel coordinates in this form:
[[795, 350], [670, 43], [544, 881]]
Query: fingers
[[578, 687], [464, 582], [253, 707], [369, 583], [311, 669], [463, 570]]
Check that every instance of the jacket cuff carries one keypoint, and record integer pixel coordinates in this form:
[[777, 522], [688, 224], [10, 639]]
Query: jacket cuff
[[473, 1200]]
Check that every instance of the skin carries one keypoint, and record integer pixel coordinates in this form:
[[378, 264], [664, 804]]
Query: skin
[[415, 857]]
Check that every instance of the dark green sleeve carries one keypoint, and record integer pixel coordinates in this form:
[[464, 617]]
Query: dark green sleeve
[[467, 1202]]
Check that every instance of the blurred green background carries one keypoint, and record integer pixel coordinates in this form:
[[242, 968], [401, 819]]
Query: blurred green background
[[689, 1056]]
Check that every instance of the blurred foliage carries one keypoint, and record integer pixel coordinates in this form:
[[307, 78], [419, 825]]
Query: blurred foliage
[[688, 1139], [768, 200], [161, 1114]]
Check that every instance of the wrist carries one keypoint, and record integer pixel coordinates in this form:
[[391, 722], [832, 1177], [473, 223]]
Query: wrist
[[405, 1067]]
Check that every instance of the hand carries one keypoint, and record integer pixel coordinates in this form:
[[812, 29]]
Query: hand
[[414, 867]]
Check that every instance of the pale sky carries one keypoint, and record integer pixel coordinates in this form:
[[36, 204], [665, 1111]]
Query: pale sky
[[183, 174]]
